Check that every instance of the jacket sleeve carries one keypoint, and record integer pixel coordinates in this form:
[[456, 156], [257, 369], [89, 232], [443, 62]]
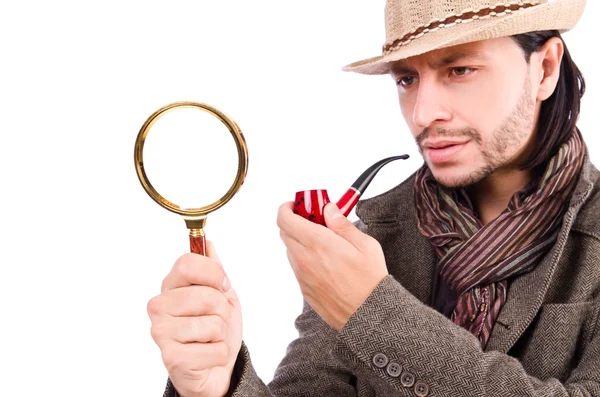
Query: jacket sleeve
[[435, 357], [308, 368]]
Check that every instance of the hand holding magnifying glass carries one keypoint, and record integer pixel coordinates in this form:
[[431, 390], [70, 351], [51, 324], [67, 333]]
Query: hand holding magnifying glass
[[196, 320]]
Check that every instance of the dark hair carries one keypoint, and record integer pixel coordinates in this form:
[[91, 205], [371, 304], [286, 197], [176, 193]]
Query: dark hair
[[559, 113]]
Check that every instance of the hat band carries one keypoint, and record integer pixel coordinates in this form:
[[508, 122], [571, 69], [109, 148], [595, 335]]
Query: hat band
[[463, 17]]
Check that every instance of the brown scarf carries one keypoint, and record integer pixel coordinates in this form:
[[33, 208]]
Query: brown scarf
[[476, 259]]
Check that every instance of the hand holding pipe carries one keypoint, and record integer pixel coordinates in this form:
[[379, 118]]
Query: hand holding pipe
[[310, 203]]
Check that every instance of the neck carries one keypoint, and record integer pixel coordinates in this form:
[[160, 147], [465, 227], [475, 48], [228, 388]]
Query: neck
[[491, 195]]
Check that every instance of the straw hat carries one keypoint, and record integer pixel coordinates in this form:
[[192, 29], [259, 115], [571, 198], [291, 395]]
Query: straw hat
[[432, 24]]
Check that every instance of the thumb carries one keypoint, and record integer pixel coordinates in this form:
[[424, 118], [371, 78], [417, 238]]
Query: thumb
[[211, 252], [340, 225]]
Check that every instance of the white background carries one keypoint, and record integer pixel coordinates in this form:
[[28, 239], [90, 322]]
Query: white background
[[83, 248]]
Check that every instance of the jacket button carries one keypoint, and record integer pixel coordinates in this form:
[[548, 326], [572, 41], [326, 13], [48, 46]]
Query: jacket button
[[407, 379], [394, 370], [421, 389], [380, 360]]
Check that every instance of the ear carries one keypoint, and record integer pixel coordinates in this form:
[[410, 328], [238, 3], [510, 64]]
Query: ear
[[547, 62]]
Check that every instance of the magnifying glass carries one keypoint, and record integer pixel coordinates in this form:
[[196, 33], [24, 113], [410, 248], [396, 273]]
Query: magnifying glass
[[191, 157]]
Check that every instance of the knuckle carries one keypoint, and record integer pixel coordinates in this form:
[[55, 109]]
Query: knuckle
[[373, 245], [201, 271], [211, 302], [222, 353], [181, 260], [219, 329], [367, 242], [281, 208], [217, 273], [195, 325], [224, 308], [282, 213], [171, 360], [183, 268], [292, 259], [155, 306], [297, 259], [187, 264], [312, 244], [157, 332]]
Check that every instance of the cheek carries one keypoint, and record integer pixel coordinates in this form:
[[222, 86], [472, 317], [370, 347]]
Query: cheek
[[407, 107], [496, 99], [482, 108]]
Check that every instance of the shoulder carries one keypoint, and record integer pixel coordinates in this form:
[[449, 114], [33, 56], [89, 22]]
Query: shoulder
[[588, 217], [394, 204]]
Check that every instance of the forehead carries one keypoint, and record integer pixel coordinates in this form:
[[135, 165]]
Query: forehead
[[479, 51]]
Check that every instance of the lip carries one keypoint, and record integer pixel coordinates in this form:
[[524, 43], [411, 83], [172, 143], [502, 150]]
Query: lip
[[442, 144], [443, 151]]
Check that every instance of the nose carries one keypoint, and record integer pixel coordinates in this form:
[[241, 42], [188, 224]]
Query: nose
[[431, 105]]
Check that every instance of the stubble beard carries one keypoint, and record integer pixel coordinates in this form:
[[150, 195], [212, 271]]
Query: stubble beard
[[513, 132]]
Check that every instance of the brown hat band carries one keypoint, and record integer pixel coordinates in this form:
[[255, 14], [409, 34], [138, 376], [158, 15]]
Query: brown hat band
[[463, 17]]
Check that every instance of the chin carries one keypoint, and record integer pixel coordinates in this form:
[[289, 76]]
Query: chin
[[456, 180]]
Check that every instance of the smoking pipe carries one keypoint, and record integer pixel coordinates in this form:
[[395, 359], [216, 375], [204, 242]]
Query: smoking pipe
[[310, 203]]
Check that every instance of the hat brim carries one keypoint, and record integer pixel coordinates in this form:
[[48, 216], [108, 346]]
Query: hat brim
[[561, 15]]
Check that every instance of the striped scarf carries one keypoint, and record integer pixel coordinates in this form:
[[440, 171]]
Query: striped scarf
[[476, 259]]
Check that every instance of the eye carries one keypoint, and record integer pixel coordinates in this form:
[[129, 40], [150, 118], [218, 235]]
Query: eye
[[405, 81], [461, 71]]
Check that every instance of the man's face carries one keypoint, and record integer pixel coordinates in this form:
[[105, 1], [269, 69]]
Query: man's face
[[471, 108]]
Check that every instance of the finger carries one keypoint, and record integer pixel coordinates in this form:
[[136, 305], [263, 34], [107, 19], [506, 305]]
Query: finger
[[194, 356], [194, 269], [190, 301], [290, 243], [340, 225], [212, 252], [296, 227], [190, 329], [295, 253]]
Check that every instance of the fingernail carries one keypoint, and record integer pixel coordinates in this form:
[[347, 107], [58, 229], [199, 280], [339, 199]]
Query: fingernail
[[226, 284], [333, 211]]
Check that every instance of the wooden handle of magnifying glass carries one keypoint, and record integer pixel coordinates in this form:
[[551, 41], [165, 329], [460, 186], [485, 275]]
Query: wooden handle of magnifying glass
[[198, 242]]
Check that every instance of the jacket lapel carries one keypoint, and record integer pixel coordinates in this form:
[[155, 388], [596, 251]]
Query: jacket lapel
[[525, 296], [526, 292]]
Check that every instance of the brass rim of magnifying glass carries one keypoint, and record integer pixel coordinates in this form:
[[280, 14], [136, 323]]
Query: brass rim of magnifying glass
[[240, 143]]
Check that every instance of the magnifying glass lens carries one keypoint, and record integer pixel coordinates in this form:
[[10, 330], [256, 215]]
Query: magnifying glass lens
[[190, 157]]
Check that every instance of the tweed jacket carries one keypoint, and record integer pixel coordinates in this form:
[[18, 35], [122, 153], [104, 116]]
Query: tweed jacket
[[546, 341]]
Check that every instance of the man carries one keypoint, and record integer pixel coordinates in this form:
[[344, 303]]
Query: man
[[477, 276]]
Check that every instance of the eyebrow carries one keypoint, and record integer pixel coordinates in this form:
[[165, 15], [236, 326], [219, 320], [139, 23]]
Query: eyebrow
[[403, 68]]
